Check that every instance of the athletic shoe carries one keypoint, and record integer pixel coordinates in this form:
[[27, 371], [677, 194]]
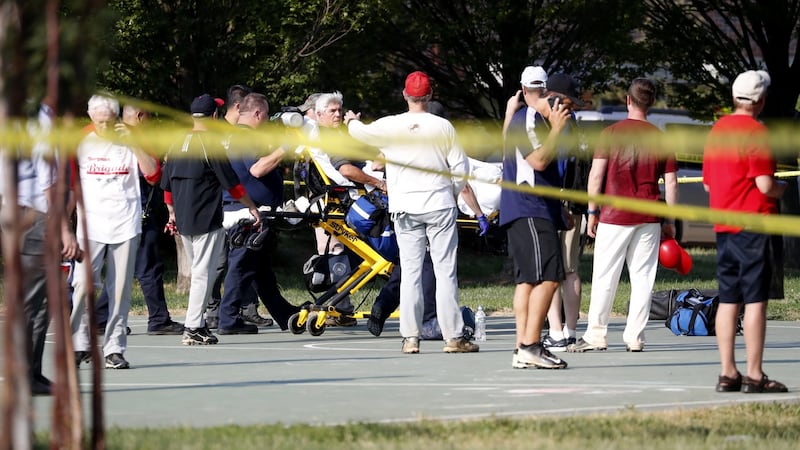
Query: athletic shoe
[[81, 357], [169, 328], [635, 348], [411, 345], [535, 355], [516, 363], [376, 320], [242, 328], [257, 320], [460, 345], [41, 385], [116, 361], [581, 346], [212, 323], [555, 345], [198, 336], [571, 341]]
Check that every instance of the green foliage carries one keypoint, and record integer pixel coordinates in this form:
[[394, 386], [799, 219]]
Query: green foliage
[[170, 52], [705, 44]]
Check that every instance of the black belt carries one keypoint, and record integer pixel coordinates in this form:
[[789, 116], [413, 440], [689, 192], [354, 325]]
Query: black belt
[[229, 202]]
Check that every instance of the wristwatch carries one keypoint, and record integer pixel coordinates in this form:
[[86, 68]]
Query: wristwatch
[[593, 212]]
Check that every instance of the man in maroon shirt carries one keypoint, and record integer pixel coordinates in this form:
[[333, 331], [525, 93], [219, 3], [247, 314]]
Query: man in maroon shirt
[[628, 165]]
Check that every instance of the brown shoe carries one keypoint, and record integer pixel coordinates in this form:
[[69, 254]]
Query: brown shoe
[[764, 385], [459, 345], [728, 384]]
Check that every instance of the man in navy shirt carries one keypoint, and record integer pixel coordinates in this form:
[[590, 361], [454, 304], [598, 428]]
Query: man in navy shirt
[[257, 168], [533, 221]]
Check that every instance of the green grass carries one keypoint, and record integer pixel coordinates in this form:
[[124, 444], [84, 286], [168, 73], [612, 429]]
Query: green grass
[[773, 426]]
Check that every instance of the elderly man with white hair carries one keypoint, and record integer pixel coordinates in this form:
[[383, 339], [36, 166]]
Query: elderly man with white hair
[[110, 216]]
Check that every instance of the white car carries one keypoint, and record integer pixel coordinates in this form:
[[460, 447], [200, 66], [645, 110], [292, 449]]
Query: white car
[[689, 160]]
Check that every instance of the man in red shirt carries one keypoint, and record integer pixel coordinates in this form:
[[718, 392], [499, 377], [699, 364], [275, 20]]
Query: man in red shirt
[[628, 165], [738, 173]]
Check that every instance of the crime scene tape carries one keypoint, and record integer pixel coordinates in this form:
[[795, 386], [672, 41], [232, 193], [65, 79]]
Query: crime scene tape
[[477, 139]]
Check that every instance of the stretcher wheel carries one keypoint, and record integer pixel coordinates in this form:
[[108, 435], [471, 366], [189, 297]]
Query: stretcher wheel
[[311, 325], [294, 324]]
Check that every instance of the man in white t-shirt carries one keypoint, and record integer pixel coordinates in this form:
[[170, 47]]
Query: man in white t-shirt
[[111, 217], [425, 169]]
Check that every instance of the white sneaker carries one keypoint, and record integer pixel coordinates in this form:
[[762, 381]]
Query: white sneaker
[[517, 363], [541, 358]]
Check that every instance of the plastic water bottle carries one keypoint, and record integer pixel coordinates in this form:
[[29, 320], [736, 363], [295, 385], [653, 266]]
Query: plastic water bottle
[[480, 324]]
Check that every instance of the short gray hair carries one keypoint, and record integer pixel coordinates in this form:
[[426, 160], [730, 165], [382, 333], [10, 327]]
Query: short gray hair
[[326, 99], [102, 102]]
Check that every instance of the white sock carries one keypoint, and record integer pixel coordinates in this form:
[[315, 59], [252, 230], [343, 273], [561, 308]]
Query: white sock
[[569, 333], [556, 335]]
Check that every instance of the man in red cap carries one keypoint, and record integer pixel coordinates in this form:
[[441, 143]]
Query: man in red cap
[[423, 206]]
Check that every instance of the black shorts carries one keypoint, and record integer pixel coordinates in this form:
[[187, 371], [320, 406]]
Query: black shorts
[[744, 267], [535, 248]]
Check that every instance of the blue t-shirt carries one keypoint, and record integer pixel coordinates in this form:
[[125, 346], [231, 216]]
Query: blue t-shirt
[[515, 204], [264, 191]]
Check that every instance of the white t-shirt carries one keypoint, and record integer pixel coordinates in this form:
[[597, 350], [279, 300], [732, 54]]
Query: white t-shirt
[[111, 194], [412, 141], [34, 173]]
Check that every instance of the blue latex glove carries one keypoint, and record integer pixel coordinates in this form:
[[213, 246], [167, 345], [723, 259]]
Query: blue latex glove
[[483, 223]]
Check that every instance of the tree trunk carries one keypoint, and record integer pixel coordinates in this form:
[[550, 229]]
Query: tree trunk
[[184, 268]]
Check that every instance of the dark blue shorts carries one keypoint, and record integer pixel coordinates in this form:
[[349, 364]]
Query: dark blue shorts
[[535, 248], [744, 267]]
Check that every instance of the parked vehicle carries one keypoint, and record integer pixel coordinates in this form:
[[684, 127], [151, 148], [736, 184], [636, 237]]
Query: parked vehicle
[[689, 135]]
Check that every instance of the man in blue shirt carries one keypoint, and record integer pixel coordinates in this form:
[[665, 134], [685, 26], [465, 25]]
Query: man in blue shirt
[[257, 169], [532, 221]]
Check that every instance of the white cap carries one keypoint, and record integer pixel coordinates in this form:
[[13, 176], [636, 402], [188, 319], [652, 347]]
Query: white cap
[[751, 85], [534, 77]]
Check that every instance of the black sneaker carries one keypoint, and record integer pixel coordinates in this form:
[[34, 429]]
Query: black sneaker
[[198, 336], [535, 355], [257, 320], [81, 357], [554, 345], [41, 385], [170, 328], [376, 320], [240, 328], [212, 323], [116, 361]]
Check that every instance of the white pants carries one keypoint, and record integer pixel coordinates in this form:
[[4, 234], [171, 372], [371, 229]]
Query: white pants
[[615, 245], [120, 261], [204, 251], [415, 232]]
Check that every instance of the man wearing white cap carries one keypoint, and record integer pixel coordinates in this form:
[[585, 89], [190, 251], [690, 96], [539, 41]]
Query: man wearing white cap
[[533, 83], [532, 222], [738, 169]]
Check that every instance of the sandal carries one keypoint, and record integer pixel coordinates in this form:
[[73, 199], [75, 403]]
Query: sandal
[[765, 385], [728, 384]]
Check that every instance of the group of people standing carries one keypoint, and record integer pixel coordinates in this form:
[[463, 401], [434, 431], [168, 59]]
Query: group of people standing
[[211, 184], [629, 160]]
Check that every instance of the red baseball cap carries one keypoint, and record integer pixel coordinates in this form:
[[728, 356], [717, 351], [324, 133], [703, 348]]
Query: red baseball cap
[[418, 84]]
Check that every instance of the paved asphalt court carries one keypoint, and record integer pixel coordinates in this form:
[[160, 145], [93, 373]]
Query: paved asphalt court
[[347, 375]]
